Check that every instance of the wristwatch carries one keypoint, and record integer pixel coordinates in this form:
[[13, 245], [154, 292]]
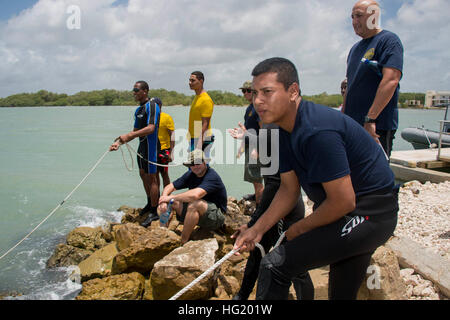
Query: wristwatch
[[369, 120]]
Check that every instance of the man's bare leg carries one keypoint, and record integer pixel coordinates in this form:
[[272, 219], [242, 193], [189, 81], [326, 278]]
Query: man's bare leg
[[194, 211]]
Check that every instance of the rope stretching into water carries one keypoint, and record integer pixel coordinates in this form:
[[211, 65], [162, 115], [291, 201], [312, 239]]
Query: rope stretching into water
[[130, 149], [57, 207]]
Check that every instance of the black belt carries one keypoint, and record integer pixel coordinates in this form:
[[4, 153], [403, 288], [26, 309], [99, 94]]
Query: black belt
[[376, 203]]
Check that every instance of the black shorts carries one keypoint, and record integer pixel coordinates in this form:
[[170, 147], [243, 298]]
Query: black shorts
[[148, 153]]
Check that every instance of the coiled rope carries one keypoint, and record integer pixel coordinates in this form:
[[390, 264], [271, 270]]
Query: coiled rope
[[218, 263], [131, 150]]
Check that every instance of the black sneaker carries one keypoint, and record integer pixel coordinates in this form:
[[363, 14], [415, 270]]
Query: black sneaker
[[151, 217], [145, 209]]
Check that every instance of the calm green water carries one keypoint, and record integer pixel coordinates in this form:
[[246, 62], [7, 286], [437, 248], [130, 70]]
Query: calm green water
[[45, 152]]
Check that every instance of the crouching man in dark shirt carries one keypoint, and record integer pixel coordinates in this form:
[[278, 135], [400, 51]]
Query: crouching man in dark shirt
[[205, 202]]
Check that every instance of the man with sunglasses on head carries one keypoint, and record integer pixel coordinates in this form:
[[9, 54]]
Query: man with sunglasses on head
[[146, 129], [204, 204], [200, 115]]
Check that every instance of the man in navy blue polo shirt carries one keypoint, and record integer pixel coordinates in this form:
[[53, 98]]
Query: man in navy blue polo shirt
[[373, 88], [341, 169], [204, 204]]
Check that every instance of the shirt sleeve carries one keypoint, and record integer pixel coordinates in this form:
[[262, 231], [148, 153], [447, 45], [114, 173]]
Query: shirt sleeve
[[392, 54], [182, 182], [327, 158], [169, 123], [285, 151], [206, 108]]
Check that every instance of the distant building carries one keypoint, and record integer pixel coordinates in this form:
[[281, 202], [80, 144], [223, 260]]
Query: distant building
[[413, 103], [434, 98]]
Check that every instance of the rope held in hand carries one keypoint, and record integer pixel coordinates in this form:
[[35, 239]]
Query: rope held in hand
[[217, 264]]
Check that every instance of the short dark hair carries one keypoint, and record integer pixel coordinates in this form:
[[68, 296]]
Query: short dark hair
[[143, 84], [286, 72], [199, 75]]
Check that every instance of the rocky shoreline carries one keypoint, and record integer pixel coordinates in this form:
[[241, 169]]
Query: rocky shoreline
[[128, 262]]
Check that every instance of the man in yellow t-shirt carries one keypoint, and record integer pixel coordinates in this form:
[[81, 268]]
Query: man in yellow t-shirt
[[200, 115], [165, 143]]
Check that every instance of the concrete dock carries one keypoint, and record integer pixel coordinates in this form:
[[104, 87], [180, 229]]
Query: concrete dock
[[419, 164]]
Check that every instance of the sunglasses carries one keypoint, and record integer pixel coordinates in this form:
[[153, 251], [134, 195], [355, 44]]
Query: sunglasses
[[246, 91], [136, 89]]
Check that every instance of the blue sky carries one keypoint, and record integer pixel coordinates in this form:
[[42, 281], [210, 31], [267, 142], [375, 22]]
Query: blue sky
[[162, 41], [10, 8]]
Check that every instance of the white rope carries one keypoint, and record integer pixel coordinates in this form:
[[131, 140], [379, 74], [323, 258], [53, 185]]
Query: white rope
[[204, 274], [430, 145], [57, 207], [261, 248], [283, 235], [124, 161], [130, 149], [218, 263]]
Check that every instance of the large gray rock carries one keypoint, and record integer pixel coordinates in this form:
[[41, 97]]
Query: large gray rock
[[183, 265], [145, 251]]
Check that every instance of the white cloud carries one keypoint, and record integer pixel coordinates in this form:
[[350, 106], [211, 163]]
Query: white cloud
[[424, 29], [163, 41]]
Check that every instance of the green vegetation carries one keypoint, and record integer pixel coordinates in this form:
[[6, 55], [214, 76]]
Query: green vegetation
[[335, 100], [109, 97], [330, 100], [410, 96]]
